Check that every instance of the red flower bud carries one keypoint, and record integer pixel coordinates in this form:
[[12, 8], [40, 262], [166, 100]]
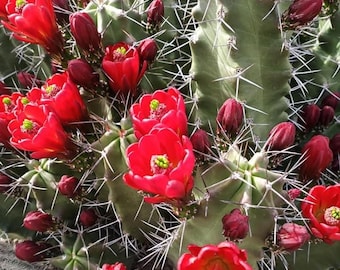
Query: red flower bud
[[200, 142], [331, 100], [147, 50], [39, 221], [5, 183], [318, 157], [301, 12], [69, 186], [310, 117], [281, 136], [155, 12], [326, 116], [230, 116], [292, 236], [60, 6], [82, 73], [88, 217], [293, 193], [4, 90], [28, 80], [31, 251], [116, 266], [235, 225], [85, 31], [334, 144]]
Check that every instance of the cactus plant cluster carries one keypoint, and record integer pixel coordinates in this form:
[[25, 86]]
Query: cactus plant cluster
[[170, 134]]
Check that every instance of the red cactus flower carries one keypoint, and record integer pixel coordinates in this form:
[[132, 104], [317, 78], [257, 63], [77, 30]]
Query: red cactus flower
[[85, 31], [322, 208], [200, 142], [318, 157], [161, 164], [34, 22], [31, 251], [162, 108], [225, 255], [235, 225], [88, 217], [229, 117], [39, 221], [301, 12], [38, 130], [281, 136], [116, 266], [3, 11], [69, 186], [123, 68], [292, 236]]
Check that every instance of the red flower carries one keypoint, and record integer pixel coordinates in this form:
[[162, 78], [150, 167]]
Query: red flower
[[38, 130], [230, 117], [162, 108], [38, 221], [30, 251], [34, 22], [292, 236], [235, 225], [318, 157], [116, 266], [224, 256], [322, 208], [3, 11], [161, 164], [281, 136], [123, 67]]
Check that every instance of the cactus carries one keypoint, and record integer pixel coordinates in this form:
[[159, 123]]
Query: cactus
[[103, 149]]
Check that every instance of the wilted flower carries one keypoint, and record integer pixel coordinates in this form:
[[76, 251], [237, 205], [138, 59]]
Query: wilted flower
[[322, 208], [281, 136], [235, 225], [230, 117], [39, 221], [31, 251], [225, 255], [292, 236], [318, 157]]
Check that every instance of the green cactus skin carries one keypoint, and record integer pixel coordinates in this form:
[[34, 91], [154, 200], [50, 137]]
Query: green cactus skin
[[226, 46]]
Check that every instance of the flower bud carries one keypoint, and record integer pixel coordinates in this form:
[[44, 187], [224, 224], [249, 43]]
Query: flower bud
[[293, 193], [235, 225], [292, 236], [331, 100], [116, 266], [60, 6], [88, 217], [82, 73], [334, 144], [30, 251], [28, 80], [310, 117], [39, 221], [84, 31], [155, 14], [281, 136], [301, 12], [230, 117], [4, 90], [326, 116], [5, 183], [147, 50], [200, 142], [69, 186], [317, 157]]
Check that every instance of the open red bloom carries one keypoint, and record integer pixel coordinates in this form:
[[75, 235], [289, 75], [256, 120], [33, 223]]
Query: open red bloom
[[123, 67], [162, 108], [38, 130], [116, 266], [161, 164], [224, 256], [322, 208], [34, 22]]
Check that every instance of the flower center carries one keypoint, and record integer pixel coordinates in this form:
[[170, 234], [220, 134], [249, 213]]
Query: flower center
[[51, 90], [19, 4], [119, 54], [216, 264], [159, 164], [332, 215], [157, 109], [8, 104], [29, 126], [25, 100]]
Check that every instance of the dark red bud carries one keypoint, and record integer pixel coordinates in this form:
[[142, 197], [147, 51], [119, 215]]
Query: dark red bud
[[4, 90], [30, 251], [5, 183], [155, 12], [331, 100], [60, 8], [334, 144], [326, 116], [310, 117], [69, 186], [82, 73], [281, 136], [292, 236], [200, 142], [88, 217], [230, 117], [85, 31], [38, 221], [147, 50], [235, 225], [28, 80], [293, 193]]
